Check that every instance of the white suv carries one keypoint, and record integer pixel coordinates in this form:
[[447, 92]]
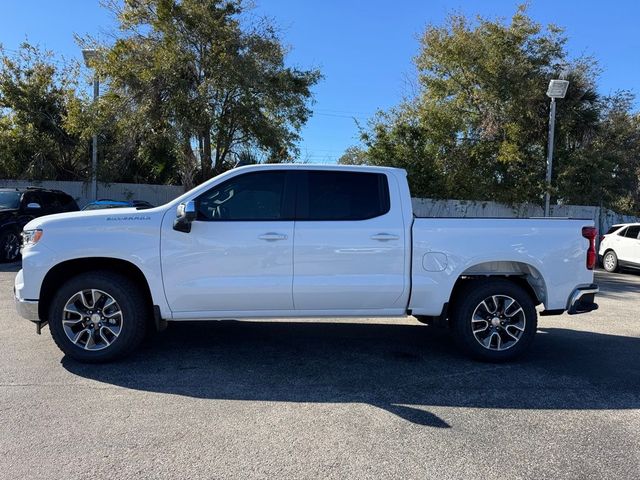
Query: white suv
[[620, 247]]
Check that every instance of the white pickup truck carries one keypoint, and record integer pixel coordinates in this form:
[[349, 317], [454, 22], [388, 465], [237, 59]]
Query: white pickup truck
[[275, 241]]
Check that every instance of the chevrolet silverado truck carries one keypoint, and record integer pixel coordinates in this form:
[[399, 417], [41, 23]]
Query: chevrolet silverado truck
[[274, 241]]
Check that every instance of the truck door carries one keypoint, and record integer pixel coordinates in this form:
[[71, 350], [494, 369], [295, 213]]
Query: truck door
[[239, 253], [349, 242]]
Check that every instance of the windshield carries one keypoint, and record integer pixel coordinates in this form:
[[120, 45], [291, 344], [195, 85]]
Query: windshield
[[9, 199]]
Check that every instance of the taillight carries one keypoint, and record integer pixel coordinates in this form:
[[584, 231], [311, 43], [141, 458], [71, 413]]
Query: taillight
[[590, 233]]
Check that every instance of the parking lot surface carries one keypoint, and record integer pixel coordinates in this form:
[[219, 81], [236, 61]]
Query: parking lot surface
[[336, 398]]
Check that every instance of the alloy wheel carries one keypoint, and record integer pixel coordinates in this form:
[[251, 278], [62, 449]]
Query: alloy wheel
[[498, 322], [92, 319]]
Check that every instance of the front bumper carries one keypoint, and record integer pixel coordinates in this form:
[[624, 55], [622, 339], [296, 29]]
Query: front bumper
[[582, 300], [27, 309]]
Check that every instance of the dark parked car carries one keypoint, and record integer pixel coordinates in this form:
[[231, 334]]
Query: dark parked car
[[105, 203], [20, 205]]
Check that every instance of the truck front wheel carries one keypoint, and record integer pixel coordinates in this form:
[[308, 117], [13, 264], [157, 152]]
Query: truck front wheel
[[98, 317], [493, 320]]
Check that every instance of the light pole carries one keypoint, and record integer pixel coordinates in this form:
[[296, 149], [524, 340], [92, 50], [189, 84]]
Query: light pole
[[89, 56], [557, 89]]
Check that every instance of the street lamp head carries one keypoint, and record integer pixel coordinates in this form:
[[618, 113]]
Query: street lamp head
[[557, 88], [89, 55]]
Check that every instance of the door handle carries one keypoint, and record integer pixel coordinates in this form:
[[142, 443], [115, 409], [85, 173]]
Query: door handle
[[272, 236], [384, 237]]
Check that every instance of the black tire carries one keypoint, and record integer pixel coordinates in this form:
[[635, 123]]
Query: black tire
[[610, 261], [10, 243], [129, 299], [468, 306]]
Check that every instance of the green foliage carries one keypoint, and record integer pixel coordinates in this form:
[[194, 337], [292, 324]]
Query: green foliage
[[477, 129], [353, 156], [214, 87], [37, 138], [189, 89]]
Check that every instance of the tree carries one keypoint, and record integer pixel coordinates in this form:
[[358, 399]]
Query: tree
[[477, 129], [353, 156], [604, 167], [36, 138], [217, 87]]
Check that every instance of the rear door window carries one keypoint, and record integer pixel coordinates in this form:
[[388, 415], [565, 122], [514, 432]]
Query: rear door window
[[334, 195]]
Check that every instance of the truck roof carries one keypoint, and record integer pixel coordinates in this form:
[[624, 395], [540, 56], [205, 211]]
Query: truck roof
[[323, 166]]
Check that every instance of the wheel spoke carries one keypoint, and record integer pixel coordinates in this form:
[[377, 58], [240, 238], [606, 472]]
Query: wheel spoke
[[72, 308], [496, 302], [511, 315], [95, 295], [83, 298], [482, 328], [488, 340], [103, 337], [80, 334], [506, 330], [516, 326], [111, 330], [111, 315], [108, 302], [508, 303], [72, 322], [487, 307], [90, 341]]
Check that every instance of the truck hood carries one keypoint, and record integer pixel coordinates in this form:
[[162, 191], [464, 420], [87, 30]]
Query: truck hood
[[96, 218]]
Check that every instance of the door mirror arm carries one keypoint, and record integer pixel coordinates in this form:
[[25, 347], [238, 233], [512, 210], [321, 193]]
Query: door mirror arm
[[185, 215]]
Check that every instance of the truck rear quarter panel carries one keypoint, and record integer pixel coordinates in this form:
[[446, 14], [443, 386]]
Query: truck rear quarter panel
[[446, 248]]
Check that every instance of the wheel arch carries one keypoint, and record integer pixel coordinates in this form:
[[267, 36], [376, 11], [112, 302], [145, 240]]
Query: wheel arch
[[523, 274], [70, 268]]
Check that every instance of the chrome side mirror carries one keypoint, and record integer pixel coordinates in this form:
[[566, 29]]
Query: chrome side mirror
[[185, 214]]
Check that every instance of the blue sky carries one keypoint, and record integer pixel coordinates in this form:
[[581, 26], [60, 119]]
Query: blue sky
[[364, 48]]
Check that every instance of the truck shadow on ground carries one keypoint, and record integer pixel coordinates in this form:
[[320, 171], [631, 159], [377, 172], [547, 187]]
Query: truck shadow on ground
[[404, 369]]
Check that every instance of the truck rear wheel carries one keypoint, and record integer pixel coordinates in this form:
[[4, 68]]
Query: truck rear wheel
[[494, 320], [98, 317]]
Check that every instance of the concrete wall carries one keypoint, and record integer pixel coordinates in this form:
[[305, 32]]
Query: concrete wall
[[154, 194]]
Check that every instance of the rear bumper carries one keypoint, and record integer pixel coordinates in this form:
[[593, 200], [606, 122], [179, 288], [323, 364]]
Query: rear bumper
[[582, 300]]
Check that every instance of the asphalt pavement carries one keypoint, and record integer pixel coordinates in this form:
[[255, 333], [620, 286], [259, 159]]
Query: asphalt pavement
[[332, 398]]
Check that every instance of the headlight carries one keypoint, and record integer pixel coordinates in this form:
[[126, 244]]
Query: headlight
[[31, 237]]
